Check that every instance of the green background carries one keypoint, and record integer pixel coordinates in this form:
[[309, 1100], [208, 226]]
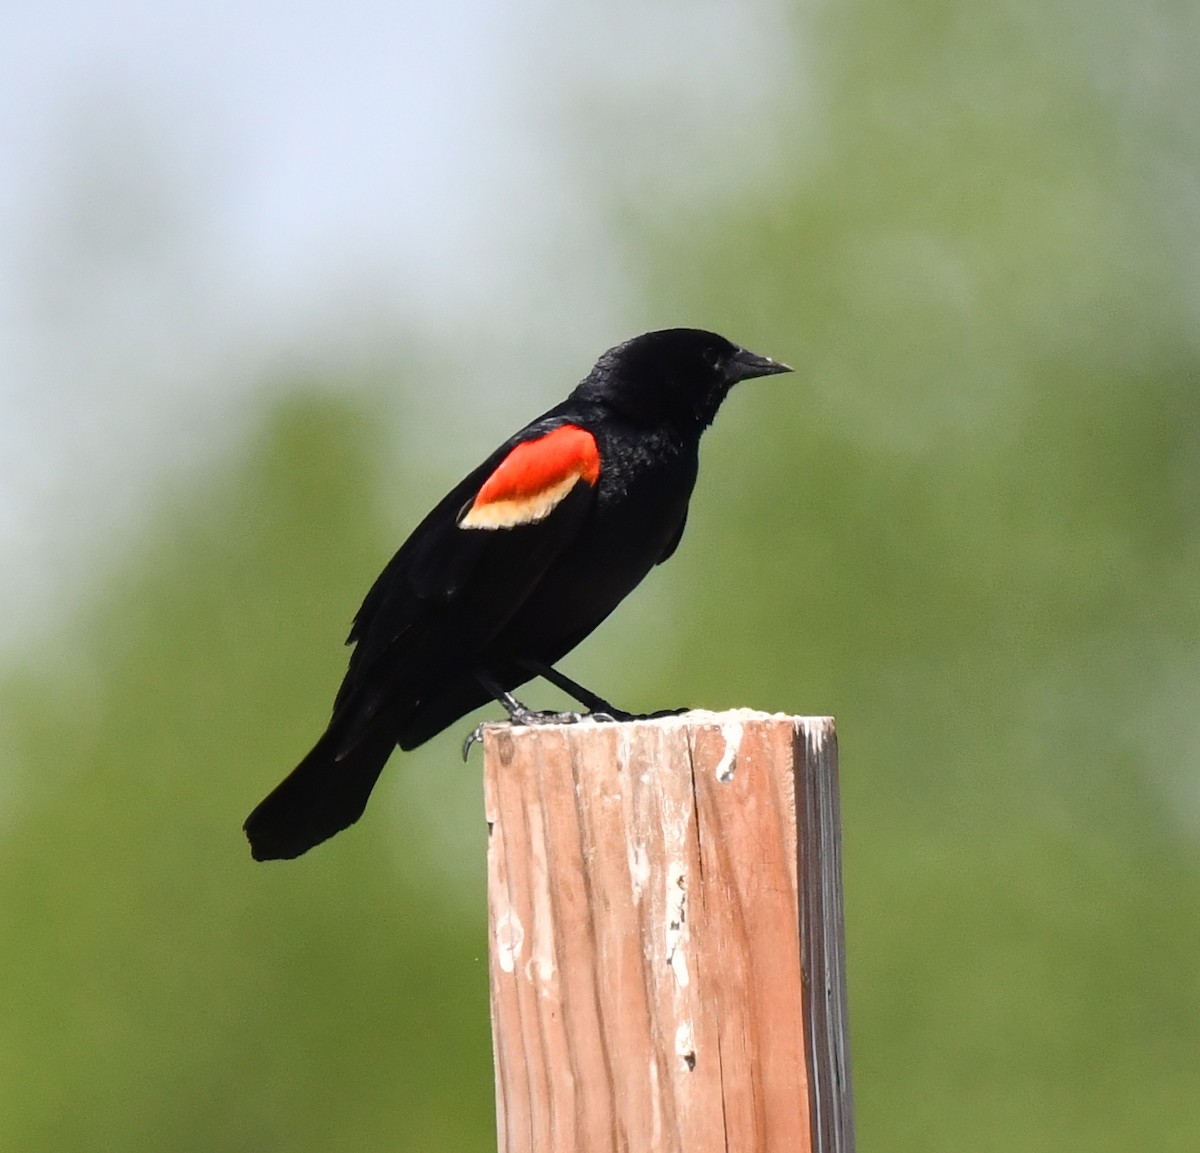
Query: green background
[[968, 526]]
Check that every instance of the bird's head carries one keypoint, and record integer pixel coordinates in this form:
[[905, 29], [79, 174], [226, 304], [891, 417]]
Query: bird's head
[[676, 376]]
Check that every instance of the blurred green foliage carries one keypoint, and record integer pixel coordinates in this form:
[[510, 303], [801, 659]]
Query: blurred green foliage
[[968, 526], [971, 529], [161, 991]]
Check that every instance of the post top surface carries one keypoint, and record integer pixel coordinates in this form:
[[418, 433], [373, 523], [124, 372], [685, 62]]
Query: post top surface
[[814, 727]]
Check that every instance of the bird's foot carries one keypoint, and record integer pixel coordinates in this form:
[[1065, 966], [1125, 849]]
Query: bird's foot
[[523, 716], [658, 714]]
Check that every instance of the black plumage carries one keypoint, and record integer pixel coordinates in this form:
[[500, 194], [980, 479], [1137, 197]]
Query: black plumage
[[513, 568]]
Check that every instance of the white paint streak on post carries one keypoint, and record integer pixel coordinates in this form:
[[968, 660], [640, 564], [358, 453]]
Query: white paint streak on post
[[639, 870], [732, 732], [509, 937]]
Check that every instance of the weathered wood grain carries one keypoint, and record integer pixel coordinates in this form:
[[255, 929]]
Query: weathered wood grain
[[666, 956]]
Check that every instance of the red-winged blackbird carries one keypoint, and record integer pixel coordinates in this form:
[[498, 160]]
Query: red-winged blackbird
[[512, 569]]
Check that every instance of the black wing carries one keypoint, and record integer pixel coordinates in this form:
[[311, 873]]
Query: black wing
[[448, 591]]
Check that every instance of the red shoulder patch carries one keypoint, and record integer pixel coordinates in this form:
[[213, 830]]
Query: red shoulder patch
[[533, 478]]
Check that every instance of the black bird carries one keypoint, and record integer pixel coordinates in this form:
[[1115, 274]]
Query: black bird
[[512, 569]]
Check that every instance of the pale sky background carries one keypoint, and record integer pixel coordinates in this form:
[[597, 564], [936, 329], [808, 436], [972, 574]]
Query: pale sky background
[[193, 192]]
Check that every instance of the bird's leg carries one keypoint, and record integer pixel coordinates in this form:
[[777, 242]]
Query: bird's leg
[[519, 714], [599, 708]]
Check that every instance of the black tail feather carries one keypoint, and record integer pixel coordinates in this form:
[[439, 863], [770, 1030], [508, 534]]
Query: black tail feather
[[324, 794]]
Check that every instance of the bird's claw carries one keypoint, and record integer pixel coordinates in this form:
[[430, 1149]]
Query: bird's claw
[[474, 737]]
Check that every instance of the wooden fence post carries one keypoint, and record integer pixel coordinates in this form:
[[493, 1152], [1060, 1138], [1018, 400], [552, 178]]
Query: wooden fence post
[[666, 944]]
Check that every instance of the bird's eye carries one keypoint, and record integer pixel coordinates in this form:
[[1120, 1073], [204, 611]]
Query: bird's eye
[[713, 358]]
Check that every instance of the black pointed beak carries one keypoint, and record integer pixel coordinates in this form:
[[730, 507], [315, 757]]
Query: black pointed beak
[[744, 364]]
